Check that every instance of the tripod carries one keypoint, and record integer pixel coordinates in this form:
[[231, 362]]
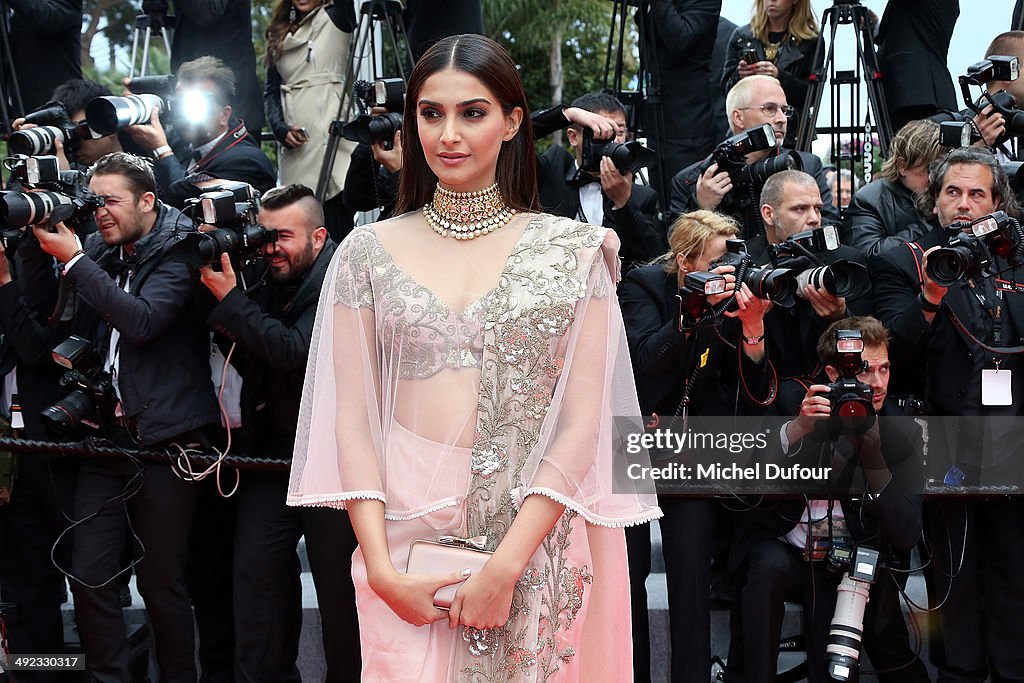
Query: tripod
[[10, 92], [645, 103], [845, 84], [153, 18], [384, 16]]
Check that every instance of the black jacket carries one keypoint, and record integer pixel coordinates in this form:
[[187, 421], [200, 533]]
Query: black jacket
[[938, 356], [913, 45], [46, 46], [637, 223], [368, 185], [235, 157], [744, 208], [892, 520], [164, 377], [271, 355], [663, 357], [795, 62], [882, 216], [222, 29]]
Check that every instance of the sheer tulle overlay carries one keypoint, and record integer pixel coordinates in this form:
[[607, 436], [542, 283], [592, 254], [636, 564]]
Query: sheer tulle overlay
[[453, 418]]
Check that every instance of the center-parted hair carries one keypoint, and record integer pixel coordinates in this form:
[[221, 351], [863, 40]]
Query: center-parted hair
[[916, 144], [136, 171], [487, 61]]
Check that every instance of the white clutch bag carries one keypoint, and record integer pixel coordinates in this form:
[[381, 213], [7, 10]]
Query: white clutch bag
[[446, 555]]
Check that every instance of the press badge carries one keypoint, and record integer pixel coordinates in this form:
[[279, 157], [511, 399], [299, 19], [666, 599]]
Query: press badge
[[995, 388]]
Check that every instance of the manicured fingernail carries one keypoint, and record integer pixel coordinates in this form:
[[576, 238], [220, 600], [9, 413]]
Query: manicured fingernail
[[467, 571]]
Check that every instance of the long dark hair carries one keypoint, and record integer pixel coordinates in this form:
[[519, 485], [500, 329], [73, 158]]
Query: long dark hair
[[483, 58]]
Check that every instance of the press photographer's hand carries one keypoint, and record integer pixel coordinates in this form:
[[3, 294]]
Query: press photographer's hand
[[602, 127], [220, 283], [149, 136], [618, 186], [815, 406], [826, 305], [712, 187], [60, 244]]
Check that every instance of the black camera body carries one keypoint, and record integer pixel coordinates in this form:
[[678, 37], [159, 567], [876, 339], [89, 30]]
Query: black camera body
[[91, 400], [232, 209], [628, 157], [367, 128], [852, 410], [775, 284], [52, 123], [801, 252], [972, 248], [58, 196], [730, 155]]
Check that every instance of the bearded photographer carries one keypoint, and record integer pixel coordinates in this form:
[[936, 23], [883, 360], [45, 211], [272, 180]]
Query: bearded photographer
[[688, 365], [791, 550], [605, 195], [220, 148], [950, 330], [269, 327], [134, 306], [753, 102]]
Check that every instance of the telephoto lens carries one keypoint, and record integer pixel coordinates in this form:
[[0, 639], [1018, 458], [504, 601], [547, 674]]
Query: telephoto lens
[[35, 141], [847, 630], [18, 209], [107, 115], [841, 278]]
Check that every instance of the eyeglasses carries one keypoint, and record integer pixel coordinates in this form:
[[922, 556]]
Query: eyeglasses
[[771, 109]]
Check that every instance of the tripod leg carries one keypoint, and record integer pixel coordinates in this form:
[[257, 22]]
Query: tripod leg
[[145, 50]]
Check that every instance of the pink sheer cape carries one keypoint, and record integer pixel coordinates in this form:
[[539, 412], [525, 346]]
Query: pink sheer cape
[[532, 385]]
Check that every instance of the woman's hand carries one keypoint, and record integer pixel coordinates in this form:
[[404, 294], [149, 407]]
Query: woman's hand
[[411, 596], [749, 309], [296, 137], [764, 68], [484, 600]]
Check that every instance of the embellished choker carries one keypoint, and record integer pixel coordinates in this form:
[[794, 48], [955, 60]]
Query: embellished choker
[[465, 215]]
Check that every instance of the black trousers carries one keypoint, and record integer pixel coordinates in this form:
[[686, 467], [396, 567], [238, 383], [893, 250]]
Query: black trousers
[[687, 542], [159, 516], [980, 620], [268, 590], [29, 527]]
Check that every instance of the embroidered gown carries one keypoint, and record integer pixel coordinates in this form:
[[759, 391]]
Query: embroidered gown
[[452, 419]]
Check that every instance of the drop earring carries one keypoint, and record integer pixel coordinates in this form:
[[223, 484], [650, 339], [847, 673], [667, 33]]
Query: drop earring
[[293, 15]]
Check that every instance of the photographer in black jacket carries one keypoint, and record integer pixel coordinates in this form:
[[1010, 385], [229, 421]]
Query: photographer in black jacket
[[683, 367], [270, 325], [134, 305], [221, 148]]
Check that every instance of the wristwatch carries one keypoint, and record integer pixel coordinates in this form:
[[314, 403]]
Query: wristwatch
[[161, 150], [753, 341]]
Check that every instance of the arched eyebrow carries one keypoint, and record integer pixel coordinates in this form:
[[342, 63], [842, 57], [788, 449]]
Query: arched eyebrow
[[463, 104]]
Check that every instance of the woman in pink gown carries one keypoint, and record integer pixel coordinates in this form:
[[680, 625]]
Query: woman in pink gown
[[469, 376]]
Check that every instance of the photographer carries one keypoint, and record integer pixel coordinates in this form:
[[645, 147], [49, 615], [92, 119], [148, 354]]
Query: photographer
[[220, 146], [270, 326], [688, 367], [752, 102], [83, 150], [946, 332], [134, 307], [791, 205], [882, 215], [785, 550], [608, 197]]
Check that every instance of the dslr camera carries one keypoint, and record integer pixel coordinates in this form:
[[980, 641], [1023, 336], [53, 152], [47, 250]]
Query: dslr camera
[[776, 284], [232, 209], [730, 155], [58, 196], [91, 399], [367, 128], [852, 410], [801, 253], [52, 123], [973, 246], [628, 157]]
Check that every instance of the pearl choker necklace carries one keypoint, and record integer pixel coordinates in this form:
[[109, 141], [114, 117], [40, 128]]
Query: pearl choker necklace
[[465, 215]]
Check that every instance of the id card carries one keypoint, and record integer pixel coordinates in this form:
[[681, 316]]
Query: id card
[[996, 389]]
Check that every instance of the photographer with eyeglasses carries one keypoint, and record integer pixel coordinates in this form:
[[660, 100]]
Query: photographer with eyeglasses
[[755, 103]]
